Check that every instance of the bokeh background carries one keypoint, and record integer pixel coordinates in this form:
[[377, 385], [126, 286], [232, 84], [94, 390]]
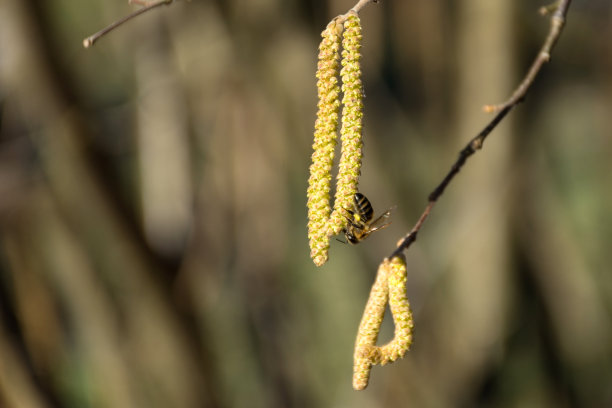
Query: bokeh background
[[153, 247]]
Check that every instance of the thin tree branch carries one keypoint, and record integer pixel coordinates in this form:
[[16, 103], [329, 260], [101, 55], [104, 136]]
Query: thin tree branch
[[475, 144], [89, 41], [354, 10], [361, 4], [557, 22]]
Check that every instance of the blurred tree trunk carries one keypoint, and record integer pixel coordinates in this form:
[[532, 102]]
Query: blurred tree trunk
[[479, 286], [90, 253], [470, 317]]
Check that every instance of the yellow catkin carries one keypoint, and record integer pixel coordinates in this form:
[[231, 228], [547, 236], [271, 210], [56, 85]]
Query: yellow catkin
[[390, 285], [366, 352], [351, 132], [325, 136], [322, 222], [400, 310]]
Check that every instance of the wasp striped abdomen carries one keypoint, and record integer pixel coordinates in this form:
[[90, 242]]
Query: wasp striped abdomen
[[360, 223]]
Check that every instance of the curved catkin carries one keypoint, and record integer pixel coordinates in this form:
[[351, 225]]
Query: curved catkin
[[400, 309], [366, 352], [390, 285], [325, 136], [351, 131]]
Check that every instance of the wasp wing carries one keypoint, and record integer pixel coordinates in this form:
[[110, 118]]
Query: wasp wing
[[376, 224]]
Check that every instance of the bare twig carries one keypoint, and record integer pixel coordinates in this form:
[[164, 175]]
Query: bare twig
[[89, 41], [557, 22], [556, 27], [354, 10], [551, 8], [361, 4]]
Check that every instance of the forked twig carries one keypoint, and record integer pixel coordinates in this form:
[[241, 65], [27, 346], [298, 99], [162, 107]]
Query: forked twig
[[89, 41], [556, 27]]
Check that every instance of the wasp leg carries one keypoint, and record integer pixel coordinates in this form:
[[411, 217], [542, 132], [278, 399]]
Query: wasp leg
[[351, 220]]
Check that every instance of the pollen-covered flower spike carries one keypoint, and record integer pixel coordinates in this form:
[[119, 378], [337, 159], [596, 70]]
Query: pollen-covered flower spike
[[390, 285], [366, 352], [325, 136], [351, 131], [400, 310]]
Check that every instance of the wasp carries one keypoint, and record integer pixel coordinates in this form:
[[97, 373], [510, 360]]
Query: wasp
[[360, 224]]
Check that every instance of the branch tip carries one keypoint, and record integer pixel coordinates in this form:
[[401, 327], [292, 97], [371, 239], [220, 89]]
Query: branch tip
[[89, 41], [557, 23], [559, 8]]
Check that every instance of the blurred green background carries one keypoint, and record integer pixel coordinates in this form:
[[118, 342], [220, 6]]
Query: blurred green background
[[153, 247]]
